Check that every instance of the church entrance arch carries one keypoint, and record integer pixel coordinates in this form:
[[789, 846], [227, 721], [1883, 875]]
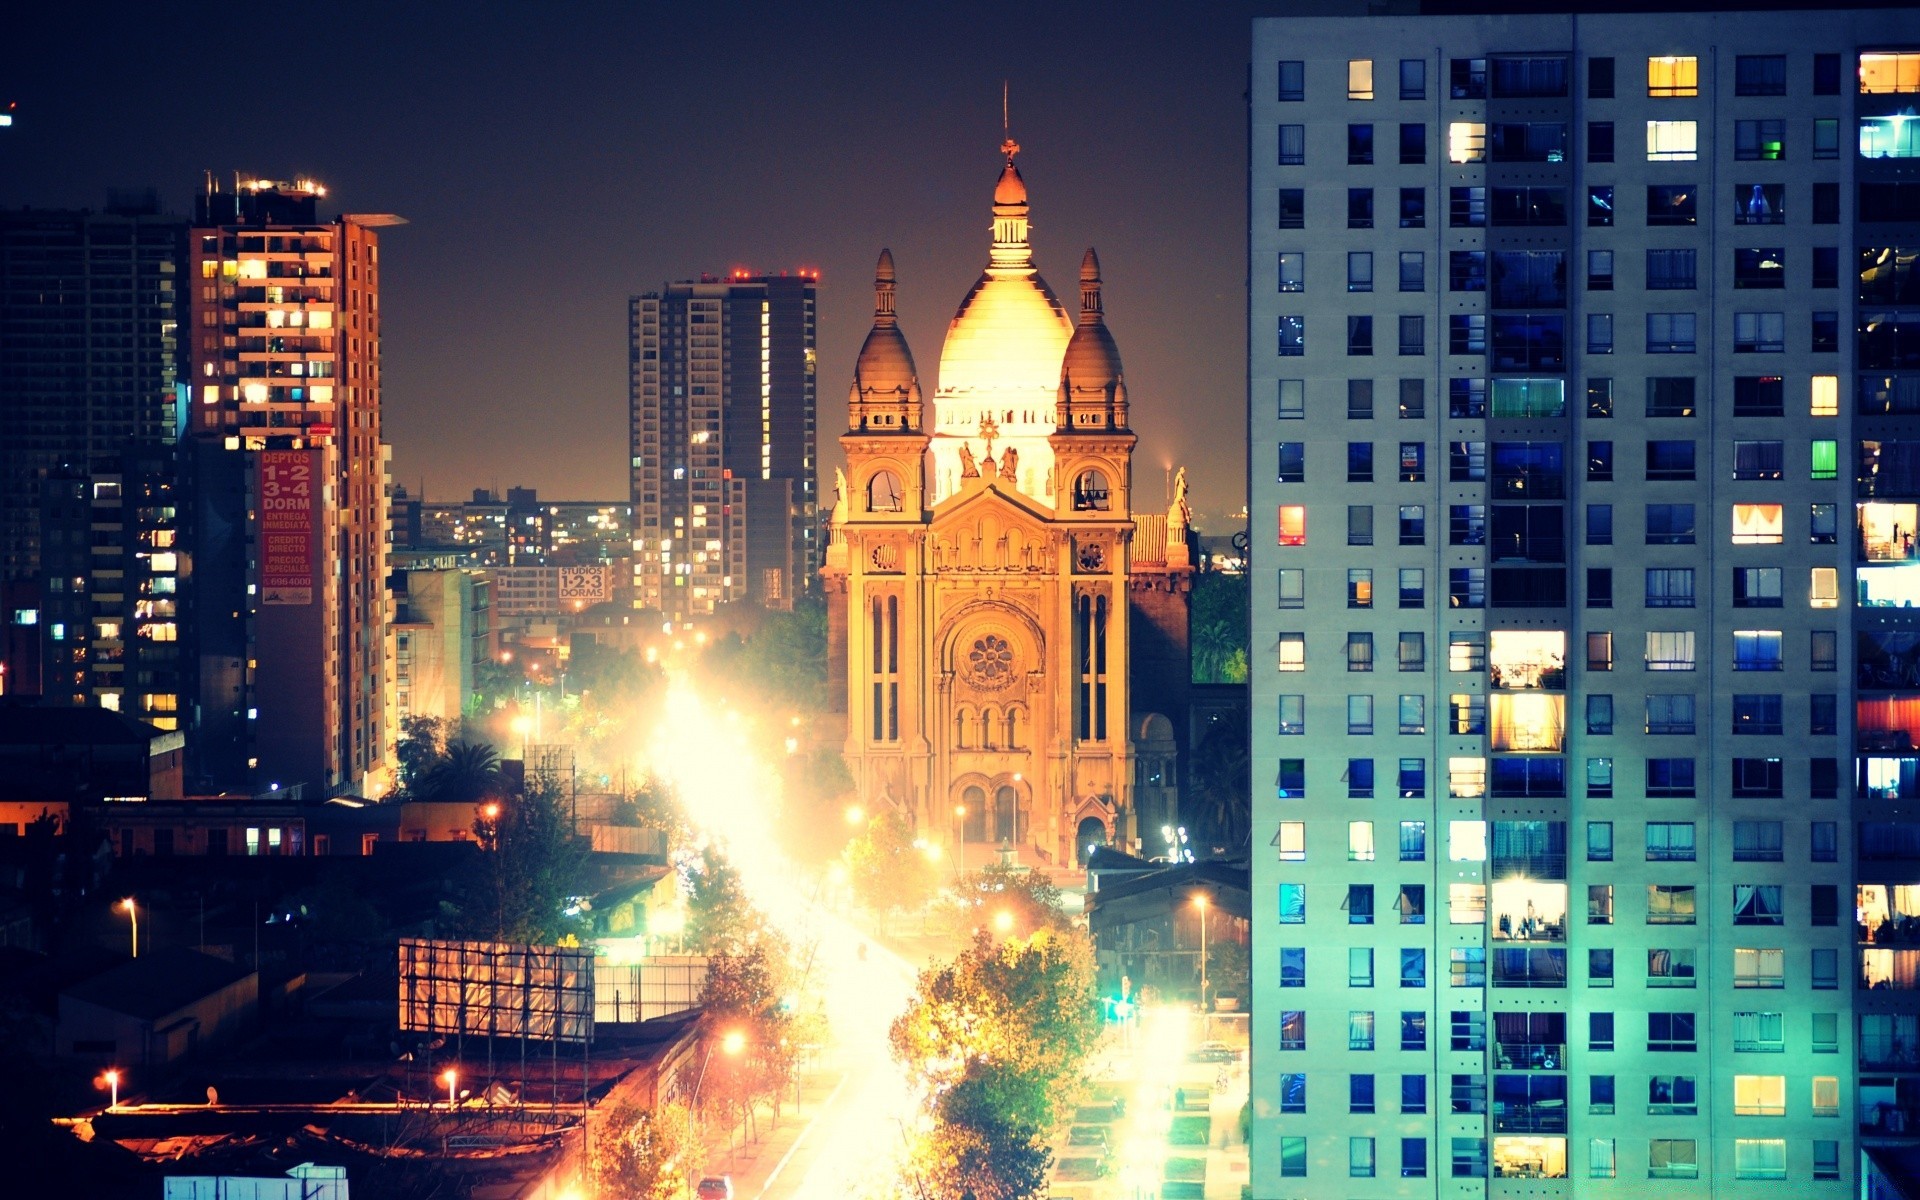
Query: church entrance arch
[[974, 824], [1009, 817], [1092, 832]]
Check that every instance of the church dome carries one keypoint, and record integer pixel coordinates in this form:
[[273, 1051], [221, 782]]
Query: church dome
[[1006, 340], [884, 371]]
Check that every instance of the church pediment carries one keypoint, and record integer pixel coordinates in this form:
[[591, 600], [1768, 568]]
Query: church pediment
[[991, 497]]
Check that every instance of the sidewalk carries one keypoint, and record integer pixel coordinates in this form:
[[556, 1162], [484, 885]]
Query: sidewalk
[[752, 1162]]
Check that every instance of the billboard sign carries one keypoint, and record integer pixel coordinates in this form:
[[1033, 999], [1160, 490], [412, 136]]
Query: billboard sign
[[288, 480]]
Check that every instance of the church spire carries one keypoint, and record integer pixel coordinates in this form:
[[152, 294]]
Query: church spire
[[1090, 310], [883, 291], [1012, 253]]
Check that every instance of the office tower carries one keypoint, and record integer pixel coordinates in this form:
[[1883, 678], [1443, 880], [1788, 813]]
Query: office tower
[[91, 380], [1582, 377], [721, 402], [293, 612]]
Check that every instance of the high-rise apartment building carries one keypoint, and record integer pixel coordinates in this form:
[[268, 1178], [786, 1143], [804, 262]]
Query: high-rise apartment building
[[293, 613], [723, 458], [1584, 366], [91, 408]]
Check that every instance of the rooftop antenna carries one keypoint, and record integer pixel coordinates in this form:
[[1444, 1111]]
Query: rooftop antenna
[[1009, 147]]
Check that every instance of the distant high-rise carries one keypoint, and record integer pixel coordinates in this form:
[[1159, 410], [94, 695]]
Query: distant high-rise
[[723, 462], [293, 619], [1584, 366], [91, 382]]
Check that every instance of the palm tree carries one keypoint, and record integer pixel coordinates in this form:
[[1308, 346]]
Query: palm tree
[[1223, 783], [469, 773]]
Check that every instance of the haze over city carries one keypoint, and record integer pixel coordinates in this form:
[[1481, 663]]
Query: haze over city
[[553, 161]]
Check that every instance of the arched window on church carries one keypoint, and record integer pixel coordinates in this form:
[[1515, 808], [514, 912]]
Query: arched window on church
[[962, 722], [1013, 727], [884, 493], [1090, 492], [989, 718]]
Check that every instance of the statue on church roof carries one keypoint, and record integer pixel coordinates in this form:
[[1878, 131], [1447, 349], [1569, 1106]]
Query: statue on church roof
[[968, 468], [1179, 515], [839, 495]]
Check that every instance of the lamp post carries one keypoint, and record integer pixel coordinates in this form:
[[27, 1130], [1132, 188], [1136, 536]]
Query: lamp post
[[1200, 902], [732, 1043], [960, 835], [133, 912], [113, 1081], [450, 1077]]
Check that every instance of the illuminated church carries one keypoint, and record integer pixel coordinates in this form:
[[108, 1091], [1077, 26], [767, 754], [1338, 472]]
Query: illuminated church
[[1007, 635]]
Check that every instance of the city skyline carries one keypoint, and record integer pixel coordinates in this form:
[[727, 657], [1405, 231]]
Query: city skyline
[[522, 161]]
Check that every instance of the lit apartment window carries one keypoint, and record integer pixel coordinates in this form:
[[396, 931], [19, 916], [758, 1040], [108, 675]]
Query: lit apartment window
[[1673, 141], [1360, 79], [1672, 75], [1889, 74], [1466, 142]]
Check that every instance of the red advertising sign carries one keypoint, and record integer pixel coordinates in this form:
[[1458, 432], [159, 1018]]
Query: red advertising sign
[[287, 484]]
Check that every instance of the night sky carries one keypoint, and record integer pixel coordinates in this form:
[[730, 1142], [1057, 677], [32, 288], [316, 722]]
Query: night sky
[[554, 159]]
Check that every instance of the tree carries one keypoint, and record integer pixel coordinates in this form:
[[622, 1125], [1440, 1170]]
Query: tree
[[784, 661], [419, 751], [1219, 627], [1030, 898], [530, 866], [992, 1160], [640, 1154], [1223, 783], [746, 994], [720, 918], [888, 868], [467, 774]]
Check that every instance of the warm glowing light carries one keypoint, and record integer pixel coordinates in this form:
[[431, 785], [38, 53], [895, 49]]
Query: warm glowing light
[[522, 725], [492, 811], [855, 814], [734, 1042], [1200, 901], [1003, 921], [127, 904]]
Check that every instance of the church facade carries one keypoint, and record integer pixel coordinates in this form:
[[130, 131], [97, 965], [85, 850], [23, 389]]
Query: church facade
[[1007, 637]]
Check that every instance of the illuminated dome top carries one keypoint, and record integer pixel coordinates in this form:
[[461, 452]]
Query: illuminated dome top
[[884, 371], [1003, 349]]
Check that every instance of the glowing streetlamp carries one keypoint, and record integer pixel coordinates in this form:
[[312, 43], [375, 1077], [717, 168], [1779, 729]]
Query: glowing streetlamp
[[523, 725], [732, 1043], [1003, 921], [960, 835], [855, 814], [133, 912], [1200, 902], [113, 1082], [450, 1077]]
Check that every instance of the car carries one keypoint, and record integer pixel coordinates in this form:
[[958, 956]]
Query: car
[[1214, 1052], [715, 1187], [1087, 1135]]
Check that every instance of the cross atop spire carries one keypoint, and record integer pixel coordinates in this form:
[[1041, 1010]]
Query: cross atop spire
[[1009, 147]]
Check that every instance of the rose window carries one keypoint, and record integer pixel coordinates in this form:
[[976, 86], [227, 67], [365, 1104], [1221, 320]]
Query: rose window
[[990, 661]]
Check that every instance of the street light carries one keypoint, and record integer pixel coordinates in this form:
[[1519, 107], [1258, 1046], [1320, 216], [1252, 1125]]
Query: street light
[[1003, 921], [733, 1042], [450, 1077], [855, 814], [133, 912], [1200, 902], [113, 1081], [960, 835], [523, 726]]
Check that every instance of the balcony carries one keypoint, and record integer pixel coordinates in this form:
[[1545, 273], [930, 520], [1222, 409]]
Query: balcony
[[1530, 1056], [1548, 1116]]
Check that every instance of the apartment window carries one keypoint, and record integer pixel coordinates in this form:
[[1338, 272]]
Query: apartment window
[[1760, 204], [1599, 141], [1599, 524], [1359, 525], [1293, 904], [1760, 1158], [1826, 137], [1759, 333], [1293, 1093], [1413, 974], [1359, 777], [1599, 270], [1413, 834], [1466, 651], [1826, 1151], [1466, 207], [1360, 79], [1412, 904], [1359, 1093], [1466, 142], [1413, 399], [1673, 204], [1293, 714], [1413, 713], [1671, 1095], [1824, 645], [1359, 652], [1823, 714], [1669, 587], [1599, 338], [1359, 967], [1826, 1089], [1293, 651], [1413, 645], [1599, 78], [1413, 208], [1757, 904], [1823, 905], [1760, 75], [1293, 1036], [1672, 141], [1600, 206], [1600, 1037], [1413, 276], [1413, 524], [1756, 650], [1293, 966], [1759, 1032], [1293, 81], [1359, 462], [1291, 464], [1671, 333], [1823, 588], [1467, 271], [1670, 651], [1413, 336], [1670, 713], [1413, 144], [1360, 587], [1758, 525], [1413, 79], [1765, 460], [1291, 841], [1670, 525], [1672, 1158], [1599, 587], [1292, 529], [1824, 396], [1599, 713], [1599, 462], [1359, 145], [1760, 1095], [1671, 75], [1293, 208], [1760, 140], [1600, 651], [1670, 460], [1757, 714], [1293, 336], [1599, 841], [1467, 713], [1759, 967], [1413, 462], [1670, 270], [1826, 211], [1600, 1158], [1824, 330], [1671, 1032], [1359, 399], [1759, 396], [1360, 1030], [1293, 145], [1670, 841], [1293, 1150], [1760, 267], [1359, 208], [1469, 78], [1292, 271], [1825, 973]]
